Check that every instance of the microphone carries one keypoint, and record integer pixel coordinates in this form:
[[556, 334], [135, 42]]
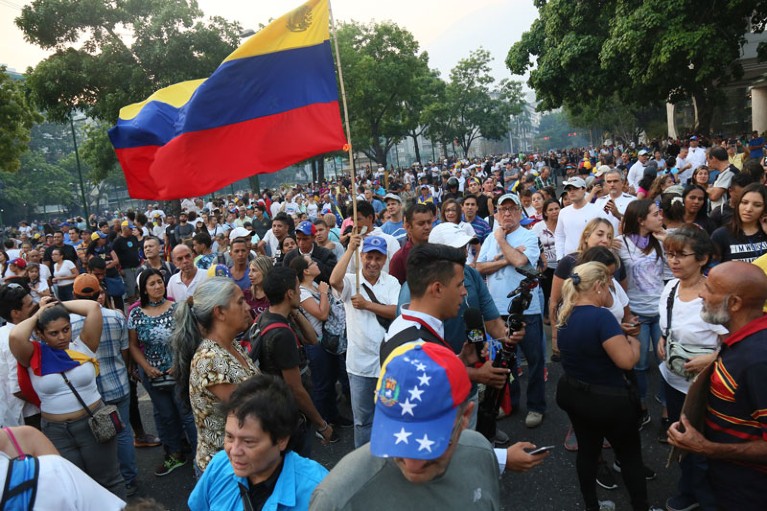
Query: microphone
[[475, 326]]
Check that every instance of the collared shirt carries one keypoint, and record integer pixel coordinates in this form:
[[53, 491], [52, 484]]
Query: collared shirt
[[112, 380], [364, 332], [410, 318], [507, 278], [481, 228], [218, 488], [180, 291], [621, 203]]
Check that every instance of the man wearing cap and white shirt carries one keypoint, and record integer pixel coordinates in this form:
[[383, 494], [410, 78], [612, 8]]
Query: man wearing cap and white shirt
[[637, 170], [306, 245], [573, 218], [395, 225], [615, 202], [512, 246], [421, 455], [696, 155], [375, 303]]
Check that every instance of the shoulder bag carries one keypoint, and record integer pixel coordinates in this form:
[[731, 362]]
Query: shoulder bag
[[677, 354], [105, 422]]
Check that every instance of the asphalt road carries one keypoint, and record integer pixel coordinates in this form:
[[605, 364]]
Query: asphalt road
[[551, 486]]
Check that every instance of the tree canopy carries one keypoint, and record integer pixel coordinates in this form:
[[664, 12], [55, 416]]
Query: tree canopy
[[17, 116], [645, 51]]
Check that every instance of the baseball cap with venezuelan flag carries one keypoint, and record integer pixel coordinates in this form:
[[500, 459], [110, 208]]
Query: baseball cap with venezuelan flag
[[416, 401]]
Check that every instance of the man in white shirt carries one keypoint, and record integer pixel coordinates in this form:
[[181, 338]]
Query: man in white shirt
[[615, 202], [637, 170], [367, 307], [182, 284], [696, 154], [683, 165], [573, 218], [718, 159]]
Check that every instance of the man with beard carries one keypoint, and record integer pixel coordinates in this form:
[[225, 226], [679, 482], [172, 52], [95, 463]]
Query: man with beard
[[735, 435]]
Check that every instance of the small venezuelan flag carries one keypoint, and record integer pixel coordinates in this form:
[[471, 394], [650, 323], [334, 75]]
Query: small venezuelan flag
[[271, 103]]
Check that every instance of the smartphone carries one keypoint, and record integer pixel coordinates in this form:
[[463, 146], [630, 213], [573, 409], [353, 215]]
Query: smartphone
[[541, 450]]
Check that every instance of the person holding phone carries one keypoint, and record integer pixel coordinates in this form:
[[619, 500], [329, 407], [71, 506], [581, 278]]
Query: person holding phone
[[745, 238]]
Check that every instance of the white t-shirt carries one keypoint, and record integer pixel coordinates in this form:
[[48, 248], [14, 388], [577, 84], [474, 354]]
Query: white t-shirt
[[620, 301], [180, 291], [688, 328], [36, 292], [271, 240], [62, 486], [696, 156], [315, 322], [570, 227], [364, 332], [635, 174], [64, 272], [645, 277]]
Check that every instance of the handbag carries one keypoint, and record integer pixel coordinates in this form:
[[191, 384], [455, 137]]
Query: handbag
[[677, 354], [105, 422], [163, 382]]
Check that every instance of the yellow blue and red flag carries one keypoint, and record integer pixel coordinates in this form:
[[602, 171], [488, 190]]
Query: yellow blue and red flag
[[271, 103]]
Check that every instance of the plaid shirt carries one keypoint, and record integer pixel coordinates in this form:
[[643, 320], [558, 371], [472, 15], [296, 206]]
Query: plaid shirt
[[113, 375], [541, 183]]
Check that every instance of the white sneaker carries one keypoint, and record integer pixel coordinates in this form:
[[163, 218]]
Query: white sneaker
[[533, 419]]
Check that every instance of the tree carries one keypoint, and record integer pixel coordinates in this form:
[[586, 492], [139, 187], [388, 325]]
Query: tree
[[478, 108], [431, 90], [648, 52], [383, 73], [17, 116], [125, 51]]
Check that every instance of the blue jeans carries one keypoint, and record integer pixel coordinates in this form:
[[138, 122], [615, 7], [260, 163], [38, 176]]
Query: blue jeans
[[532, 347], [693, 480], [326, 369], [126, 453], [362, 391], [172, 418], [649, 334]]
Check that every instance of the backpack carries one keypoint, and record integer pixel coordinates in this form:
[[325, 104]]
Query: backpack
[[256, 336], [334, 339], [409, 334], [20, 489]]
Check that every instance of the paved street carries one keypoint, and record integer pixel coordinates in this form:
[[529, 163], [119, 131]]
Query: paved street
[[552, 486]]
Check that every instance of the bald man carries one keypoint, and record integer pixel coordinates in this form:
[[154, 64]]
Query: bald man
[[182, 284], [735, 435]]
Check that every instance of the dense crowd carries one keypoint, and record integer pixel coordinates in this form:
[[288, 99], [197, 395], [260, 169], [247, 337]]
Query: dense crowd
[[248, 317]]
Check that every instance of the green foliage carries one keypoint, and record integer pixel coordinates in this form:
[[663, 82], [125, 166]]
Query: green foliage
[[17, 117], [645, 51], [97, 151], [383, 73]]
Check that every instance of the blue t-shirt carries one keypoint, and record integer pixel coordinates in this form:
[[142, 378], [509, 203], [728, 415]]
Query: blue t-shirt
[[754, 142], [218, 487], [477, 297], [395, 229], [580, 343]]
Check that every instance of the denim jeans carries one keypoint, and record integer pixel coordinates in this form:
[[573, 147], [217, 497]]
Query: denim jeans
[[693, 480], [126, 453], [75, 442], [532, 347], [649, 334], [172, 417], [362, 390], [325, 372]]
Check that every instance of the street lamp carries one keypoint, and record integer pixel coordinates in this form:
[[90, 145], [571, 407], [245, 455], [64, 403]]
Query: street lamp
[[79, 170]]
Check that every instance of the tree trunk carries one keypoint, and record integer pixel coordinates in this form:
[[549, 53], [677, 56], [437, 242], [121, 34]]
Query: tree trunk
[[704, 113], [171, 207], [321, 169], [417, 149], [255, 185], [314, 170]]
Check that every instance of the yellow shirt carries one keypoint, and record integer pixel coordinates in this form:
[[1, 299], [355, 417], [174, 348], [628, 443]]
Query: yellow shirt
[[737, 160], [761, 262]]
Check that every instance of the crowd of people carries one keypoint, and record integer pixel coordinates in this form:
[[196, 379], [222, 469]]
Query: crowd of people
[[248, 318]]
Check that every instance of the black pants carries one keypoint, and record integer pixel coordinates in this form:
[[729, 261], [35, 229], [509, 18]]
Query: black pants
[[548, 278], [595, 416]]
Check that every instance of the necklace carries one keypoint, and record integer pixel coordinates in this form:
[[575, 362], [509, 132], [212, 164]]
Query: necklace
[[157, 303]]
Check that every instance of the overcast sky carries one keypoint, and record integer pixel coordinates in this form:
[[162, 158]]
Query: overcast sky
[[447, 29]]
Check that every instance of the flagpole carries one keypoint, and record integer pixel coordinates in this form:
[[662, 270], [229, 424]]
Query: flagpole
[[348, 140]]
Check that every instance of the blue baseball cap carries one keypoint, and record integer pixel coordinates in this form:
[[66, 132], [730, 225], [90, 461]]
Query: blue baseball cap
[[417, 398], [374, 243]]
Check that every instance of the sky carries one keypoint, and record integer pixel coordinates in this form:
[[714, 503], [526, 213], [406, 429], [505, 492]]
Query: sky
[[447, 29]]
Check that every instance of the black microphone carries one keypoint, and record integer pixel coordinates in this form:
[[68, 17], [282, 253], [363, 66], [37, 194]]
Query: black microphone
[[475, 329]]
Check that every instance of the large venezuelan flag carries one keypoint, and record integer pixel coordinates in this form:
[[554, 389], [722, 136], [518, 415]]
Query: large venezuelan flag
[[273, 102]]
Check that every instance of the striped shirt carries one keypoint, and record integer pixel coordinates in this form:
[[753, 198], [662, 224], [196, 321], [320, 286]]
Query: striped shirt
[[112, 380]]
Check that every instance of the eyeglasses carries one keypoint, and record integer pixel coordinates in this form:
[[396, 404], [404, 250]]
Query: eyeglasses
[[510, 210], [679, 255]]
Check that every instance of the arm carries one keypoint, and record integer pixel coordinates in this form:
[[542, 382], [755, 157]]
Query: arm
[[385, 311], [715, 193], [223, 391], [684, 436], [337, 277], [18, 339], [319, 310], [623, 351], [307, 330], [138, 356], [559, 240], [515, 256], [91, 332], [554, 299]]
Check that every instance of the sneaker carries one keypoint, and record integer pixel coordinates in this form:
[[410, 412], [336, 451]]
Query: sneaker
[[681, 503], [649, 474], [571, 441], [501, 439], [342, 422], [605, 478], [645, 420], [131, 489], [170, 464], [663, 430], [533, 419], [333, 437], [146, 440]]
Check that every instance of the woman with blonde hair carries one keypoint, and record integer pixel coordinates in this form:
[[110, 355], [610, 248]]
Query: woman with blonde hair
[[258, 269], [597, 389], [597, 233]]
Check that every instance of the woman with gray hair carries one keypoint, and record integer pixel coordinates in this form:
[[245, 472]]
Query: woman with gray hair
[[208, 363]]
